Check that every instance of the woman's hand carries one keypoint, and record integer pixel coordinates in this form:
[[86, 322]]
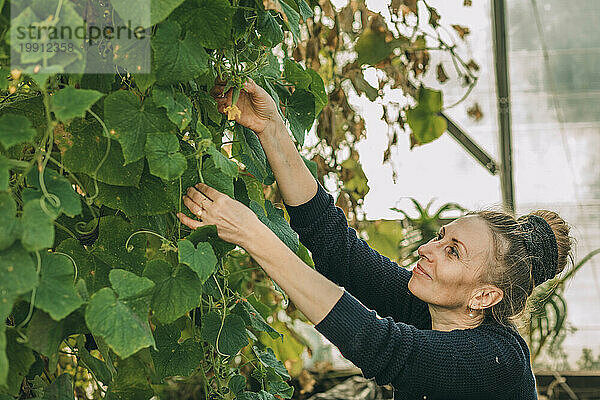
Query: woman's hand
[[235, 222], [257, 107]]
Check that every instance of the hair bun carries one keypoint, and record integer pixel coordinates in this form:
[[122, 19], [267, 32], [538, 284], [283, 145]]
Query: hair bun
[[542, 248]]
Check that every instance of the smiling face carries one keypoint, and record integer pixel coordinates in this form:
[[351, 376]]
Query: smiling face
[[454, 262]]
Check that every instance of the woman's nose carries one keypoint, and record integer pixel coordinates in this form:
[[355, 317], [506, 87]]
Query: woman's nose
[[422, 250]]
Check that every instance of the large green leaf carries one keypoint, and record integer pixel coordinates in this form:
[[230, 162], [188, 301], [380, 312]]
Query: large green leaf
[[151, 197], [131, 381], [177, 290], [300, 112], [56, 291], [45, 334], [423, 119], [19, 358], [37, 227], [173, 358], [15, 129], [317, 88], [130, 121], [109, 251], [200, 259], [58, 185], [296, 74], [8, 210], [4, 173], [224, 164], [293, 20], [177, 60], [212, 20], [215, 178], [164, 158], [60, 389], [250, 152], [178, 105], [17, 276], [120, 316], [269, 29], [232, 331], [93, 364], [253, 318], [83, 147], [372, 47], [156, 10], [69, 102], [276, 222], [268, 359]]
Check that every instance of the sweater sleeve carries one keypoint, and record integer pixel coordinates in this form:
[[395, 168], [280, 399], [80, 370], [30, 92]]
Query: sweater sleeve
[[338, 253], [466, 364]]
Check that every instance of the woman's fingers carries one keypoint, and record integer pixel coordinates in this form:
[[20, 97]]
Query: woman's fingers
[[209, 192], [198, 197], [194, 207], [189, 222]]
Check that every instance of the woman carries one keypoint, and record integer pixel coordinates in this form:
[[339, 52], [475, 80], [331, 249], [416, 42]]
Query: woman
[[445, 329]]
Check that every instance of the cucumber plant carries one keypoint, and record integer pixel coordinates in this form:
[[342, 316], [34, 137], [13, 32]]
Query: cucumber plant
[[103, 291]]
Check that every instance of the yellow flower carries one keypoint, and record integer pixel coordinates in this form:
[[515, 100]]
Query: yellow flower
[[233, 112]]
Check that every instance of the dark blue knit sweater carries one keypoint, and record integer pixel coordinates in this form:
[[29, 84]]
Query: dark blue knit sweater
[[399, 348]]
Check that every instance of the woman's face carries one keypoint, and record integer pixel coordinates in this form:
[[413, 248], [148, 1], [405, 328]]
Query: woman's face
[[453, 261]]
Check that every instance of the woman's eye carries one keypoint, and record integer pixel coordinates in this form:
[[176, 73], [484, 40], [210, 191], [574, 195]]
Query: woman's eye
[[454, 250]]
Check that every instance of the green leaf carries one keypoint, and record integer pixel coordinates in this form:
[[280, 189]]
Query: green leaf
[[178, 105], [317, 88], [293, 20], [430, 100], [224, 164], [56, 292], [151, 197], [93, 364], [251, 153], [268, 359], [233, 332], [144, 81], [296, 74], [19, 358], [4, 173], [122, 323], [305, 10], [45, 334], [426, 126], [159, 10], [92, 269], [200, 259], [311, 165], [129, 122], [177, 60], [128, 285], [372, 47], [83, 147], [208, 233], [17, 276], [269, 29], [69, 102], [177, 290], [37, 227], [215, 178], [276, 222], [8, 210], [213, 22], [15, 129], [237, 384], [300, 112], [58, 185], [60, 389], [164, 158], [252, 318], [110, 245], [131, 381], [172, 358], [262, 395]]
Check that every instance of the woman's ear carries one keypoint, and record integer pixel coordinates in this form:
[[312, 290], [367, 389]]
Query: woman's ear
[[486, 297]]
